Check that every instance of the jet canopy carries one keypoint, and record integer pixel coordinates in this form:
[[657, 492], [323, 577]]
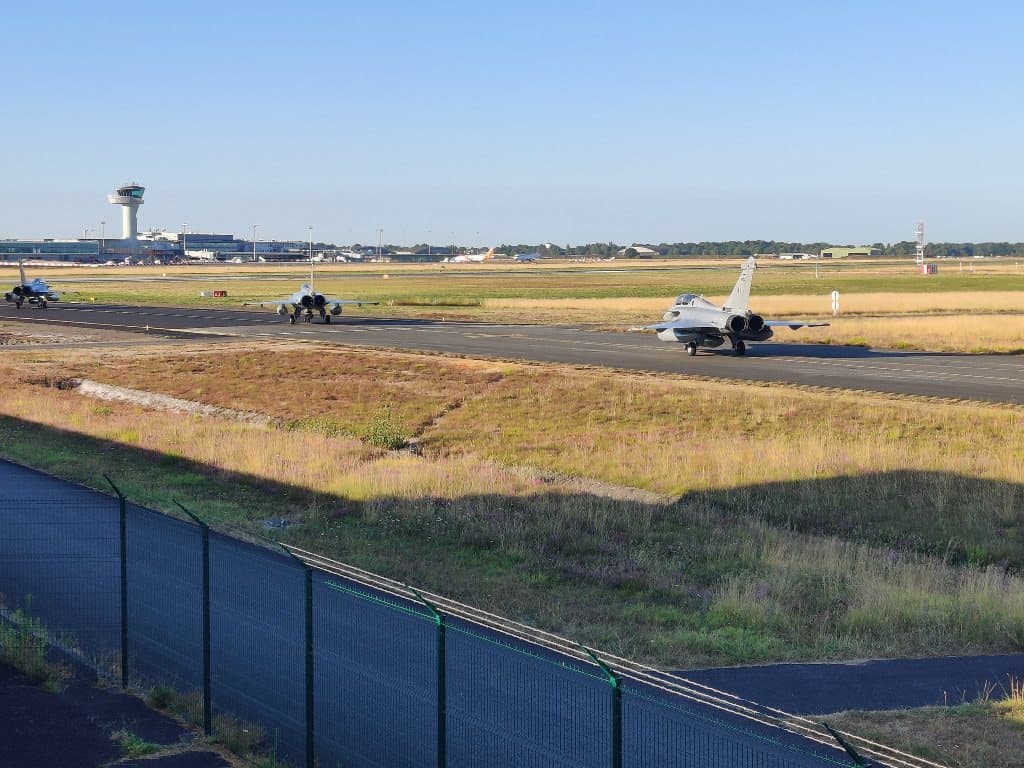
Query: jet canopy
[[692, 300]]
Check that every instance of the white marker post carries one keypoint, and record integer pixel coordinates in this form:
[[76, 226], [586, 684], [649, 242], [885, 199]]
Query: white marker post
[[835, 303]]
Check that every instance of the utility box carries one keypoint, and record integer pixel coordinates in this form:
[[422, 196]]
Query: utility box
[[929, 269]]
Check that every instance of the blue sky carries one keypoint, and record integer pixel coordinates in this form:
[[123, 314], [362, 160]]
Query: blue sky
[[484, 123]]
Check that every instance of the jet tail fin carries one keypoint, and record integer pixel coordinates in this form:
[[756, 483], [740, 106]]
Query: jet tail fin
[[739, 299], [21, 269], [489, 255]]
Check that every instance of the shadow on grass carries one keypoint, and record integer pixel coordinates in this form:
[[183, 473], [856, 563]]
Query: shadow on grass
[[958, 518]]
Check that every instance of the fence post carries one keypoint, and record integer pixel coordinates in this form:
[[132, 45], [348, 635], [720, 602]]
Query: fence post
[[205, 532], [122, 509], [442, 682], [310, 748], [616, 684]]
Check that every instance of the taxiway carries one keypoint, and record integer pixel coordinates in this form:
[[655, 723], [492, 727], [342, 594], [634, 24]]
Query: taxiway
[[992, 378]]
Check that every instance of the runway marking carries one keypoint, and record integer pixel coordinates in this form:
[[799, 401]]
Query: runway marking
[[904, 372]]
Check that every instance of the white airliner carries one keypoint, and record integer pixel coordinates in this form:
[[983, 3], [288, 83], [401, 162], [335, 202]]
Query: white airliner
[[470, 258]]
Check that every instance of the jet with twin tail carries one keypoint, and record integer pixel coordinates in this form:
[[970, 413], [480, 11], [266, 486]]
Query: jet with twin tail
[[696, 322], [36, 293]]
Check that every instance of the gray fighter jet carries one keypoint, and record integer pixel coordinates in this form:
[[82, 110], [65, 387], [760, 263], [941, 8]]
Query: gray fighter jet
[[696, 322], [305, 301], [36, 292]]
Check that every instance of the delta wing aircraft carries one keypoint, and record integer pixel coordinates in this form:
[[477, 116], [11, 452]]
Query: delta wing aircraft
[[696, 322], [305, 301], [36, 292]]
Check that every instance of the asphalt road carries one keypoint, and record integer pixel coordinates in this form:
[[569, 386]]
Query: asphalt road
[[993, 378], [819, 689]]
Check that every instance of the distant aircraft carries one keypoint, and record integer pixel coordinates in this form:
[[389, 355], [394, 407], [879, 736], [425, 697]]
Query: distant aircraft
[[696, 322], [528, 258], [305, 301], [36, 293], [467, 258]]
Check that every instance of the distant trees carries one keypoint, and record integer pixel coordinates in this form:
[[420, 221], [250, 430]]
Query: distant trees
[[739, 248]]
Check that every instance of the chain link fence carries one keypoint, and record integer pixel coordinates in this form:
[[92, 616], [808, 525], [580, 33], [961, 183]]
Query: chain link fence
[[339, 667]]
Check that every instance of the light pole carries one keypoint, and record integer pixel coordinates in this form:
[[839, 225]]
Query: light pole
[[184, 251], [380, 241], [254, 242], [310, 228], [103, 236]]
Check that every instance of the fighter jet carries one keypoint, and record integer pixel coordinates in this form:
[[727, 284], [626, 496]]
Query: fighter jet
[[696, 322], [305, 301], [36, 292]]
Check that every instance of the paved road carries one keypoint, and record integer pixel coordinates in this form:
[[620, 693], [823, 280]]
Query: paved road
[[995, 378], [818, 689]]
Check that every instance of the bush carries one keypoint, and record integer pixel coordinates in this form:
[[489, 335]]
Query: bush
[[384, 431]]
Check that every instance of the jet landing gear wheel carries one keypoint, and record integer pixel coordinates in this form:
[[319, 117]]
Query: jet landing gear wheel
[[691, 348], [42, 305], [327, 319], [291, 319], [741, 349]]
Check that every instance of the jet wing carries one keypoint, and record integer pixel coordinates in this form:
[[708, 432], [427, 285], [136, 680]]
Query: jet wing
[[792, 324], [348, 301], [683, 326]]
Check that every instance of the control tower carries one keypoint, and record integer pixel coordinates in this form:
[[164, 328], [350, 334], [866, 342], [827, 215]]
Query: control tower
[[129, 197]]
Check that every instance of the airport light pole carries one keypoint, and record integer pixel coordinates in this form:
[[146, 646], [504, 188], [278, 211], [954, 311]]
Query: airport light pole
[[380, 241], [254, 242], [103, 236], [184, 251]]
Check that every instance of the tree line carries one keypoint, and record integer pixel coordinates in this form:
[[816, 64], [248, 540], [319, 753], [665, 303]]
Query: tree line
[[904, 248]]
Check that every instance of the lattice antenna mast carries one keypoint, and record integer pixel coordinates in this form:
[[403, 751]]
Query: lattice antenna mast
[[920, 242]]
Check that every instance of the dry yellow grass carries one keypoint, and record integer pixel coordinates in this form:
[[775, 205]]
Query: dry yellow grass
[[337, 466], [960, 333], [729, 573], [650, 309]]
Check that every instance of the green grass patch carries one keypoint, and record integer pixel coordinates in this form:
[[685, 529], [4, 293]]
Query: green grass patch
[[132, 745], [24, 640]]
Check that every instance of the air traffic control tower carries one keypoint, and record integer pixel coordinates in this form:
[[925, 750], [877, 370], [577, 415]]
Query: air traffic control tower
[[129, 197]]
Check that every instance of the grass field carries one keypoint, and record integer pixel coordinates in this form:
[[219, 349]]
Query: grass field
[[801, 526], [985, 734], [883, 304]]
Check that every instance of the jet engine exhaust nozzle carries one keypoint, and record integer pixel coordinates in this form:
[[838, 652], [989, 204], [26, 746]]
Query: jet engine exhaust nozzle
[[755, 323], [736, 323], [319, 301], [306, 301]]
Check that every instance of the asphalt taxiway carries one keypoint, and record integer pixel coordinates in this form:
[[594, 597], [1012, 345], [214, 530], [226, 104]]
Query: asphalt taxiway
[[992, 378]]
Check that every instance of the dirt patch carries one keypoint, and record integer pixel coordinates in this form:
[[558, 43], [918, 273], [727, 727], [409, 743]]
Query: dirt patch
[[166, 403]]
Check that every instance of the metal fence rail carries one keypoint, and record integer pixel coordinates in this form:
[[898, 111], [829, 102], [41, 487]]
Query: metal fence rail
[[342, 667]]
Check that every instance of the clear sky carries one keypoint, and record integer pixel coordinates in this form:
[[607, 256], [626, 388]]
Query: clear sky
[[517, 122]]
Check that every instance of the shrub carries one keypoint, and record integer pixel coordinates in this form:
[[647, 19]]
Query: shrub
[[384, 431]]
